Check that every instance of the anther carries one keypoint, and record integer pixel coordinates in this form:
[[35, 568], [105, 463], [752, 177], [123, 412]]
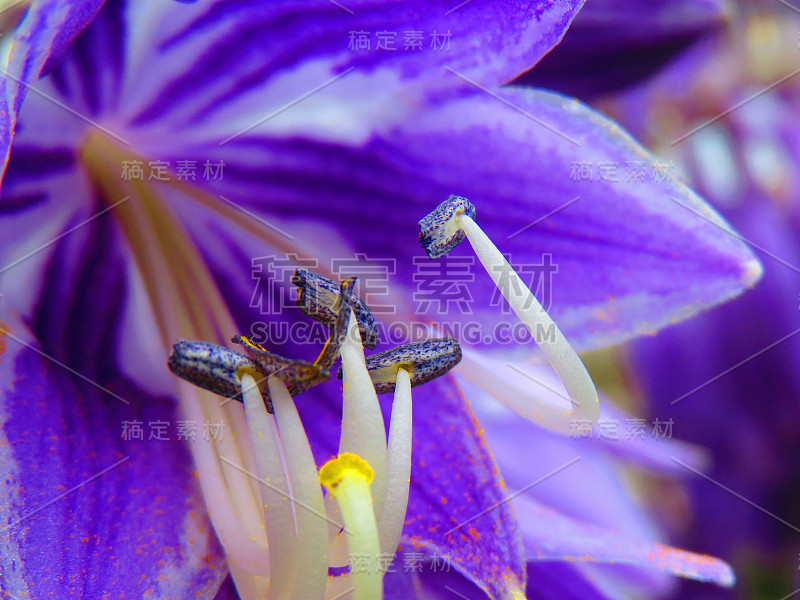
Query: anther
[[219, 369], [298, 375], [425, 360], [212, 367], [318, 298], [440, 231]]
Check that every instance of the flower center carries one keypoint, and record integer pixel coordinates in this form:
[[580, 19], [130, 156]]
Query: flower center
[[260, 482]]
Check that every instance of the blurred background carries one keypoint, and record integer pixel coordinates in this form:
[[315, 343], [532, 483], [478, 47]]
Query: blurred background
[[720, 107]]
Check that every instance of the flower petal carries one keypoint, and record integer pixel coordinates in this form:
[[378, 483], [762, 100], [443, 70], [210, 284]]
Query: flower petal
[[551, 536], [85, 512], [41, 39], [632, 255], [738, 367], [615, 43], [236, 54]]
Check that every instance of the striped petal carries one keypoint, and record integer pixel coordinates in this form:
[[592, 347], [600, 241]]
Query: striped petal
[[85, 511], [635, 250], [40, 40]]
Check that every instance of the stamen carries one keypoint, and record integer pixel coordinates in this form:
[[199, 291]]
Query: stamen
[[311, 567], [363, 430], [398, 470], [212, 367], [282, 543], [318, 298], [244, 546], [562, 357], [424, 360], [333, 345], [299, 375], [348, 479], [440, 231]]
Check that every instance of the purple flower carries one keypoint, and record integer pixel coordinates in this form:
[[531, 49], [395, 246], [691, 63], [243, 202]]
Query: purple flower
[[162, 150]]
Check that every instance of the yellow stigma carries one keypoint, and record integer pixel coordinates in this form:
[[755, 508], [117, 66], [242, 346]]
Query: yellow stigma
[[347, 478], [346, 464]]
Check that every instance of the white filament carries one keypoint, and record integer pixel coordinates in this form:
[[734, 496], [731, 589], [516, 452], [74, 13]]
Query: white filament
[[534, 392], [274, 490], [363, 430], [563, 358], [237, 540], [311, 567], [398, 472]]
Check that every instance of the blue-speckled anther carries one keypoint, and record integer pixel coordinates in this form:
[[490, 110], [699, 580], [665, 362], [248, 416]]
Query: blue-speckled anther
[[318, 298], [424, 361], [213, 367], [218, 369], [439, 231], [298, 375]]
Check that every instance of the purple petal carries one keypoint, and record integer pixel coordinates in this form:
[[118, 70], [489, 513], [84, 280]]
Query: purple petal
[[632, 256], [40, 40], [551, 536], [86, 513], [578, 478], [458, 507], [522, 386], [738, 364], [227, 50], [615, 43]]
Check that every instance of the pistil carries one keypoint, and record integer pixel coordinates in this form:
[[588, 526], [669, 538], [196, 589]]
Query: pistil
[[347, 478]]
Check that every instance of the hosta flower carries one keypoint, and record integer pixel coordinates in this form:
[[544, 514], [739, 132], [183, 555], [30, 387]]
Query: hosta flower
[[311, 144]]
